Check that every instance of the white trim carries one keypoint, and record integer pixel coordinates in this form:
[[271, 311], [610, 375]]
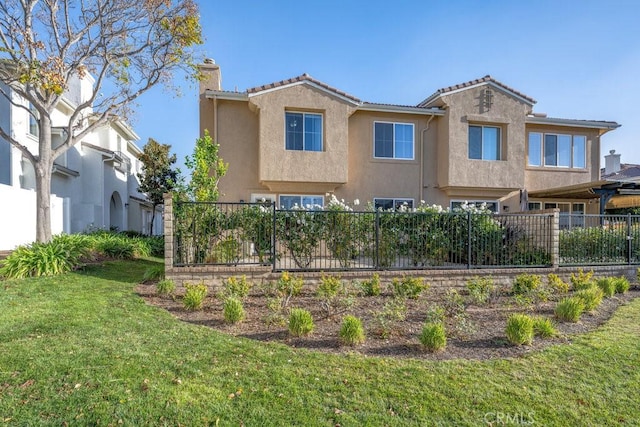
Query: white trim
[[258, 197], [413, 134], [305, 82], [279, 206], [384, 108], [542, 152], [590, 124], [227, 96], [303, 132], [482, 142]]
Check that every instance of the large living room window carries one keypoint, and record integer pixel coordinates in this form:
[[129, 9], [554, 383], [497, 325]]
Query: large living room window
[[392, 204], [484, 142], [308, 202], [393, 140], [303, 131], [557, 150]]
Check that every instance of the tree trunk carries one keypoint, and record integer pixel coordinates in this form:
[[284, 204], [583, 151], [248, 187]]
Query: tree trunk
[[43, 169], [153, 218]]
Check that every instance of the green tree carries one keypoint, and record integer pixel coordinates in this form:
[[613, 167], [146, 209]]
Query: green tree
[[48, 46], [207, 167], [158, 174]]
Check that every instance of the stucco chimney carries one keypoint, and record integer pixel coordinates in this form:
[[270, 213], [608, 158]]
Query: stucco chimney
[[611, 163], [211, 77]]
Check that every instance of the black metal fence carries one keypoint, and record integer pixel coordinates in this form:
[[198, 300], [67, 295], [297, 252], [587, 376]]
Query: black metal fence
[[599, 239], [246, 234]]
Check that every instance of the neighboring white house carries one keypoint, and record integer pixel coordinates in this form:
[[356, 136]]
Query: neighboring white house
[[94, 184]]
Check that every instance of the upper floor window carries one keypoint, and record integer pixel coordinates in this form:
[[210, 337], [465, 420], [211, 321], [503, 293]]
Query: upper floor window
[[557, 150], [484, 142], [308, 202], [34, 127], [393, 140], [392, 204], [303, 131]]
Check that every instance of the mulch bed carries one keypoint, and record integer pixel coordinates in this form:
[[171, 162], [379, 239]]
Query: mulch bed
[[487, 340]]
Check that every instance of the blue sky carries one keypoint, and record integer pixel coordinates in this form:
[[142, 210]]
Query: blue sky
[[578, 59]]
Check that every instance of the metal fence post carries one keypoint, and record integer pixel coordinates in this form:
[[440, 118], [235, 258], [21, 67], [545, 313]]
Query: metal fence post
[[376, 260], [468, 240], [629, 237], [273, 237]]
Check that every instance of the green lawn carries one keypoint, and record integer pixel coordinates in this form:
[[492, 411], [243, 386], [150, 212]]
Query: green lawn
[[82, 349]]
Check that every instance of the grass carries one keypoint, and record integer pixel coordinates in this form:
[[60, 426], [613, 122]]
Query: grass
[[84, 349]]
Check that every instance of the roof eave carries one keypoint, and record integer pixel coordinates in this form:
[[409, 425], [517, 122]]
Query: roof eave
[[383, 108], [229, 96], [590, 124]]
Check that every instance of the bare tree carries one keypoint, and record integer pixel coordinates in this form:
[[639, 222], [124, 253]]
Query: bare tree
[[127, 46]]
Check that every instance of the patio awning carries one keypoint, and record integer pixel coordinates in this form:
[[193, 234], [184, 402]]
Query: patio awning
[[611, 194]]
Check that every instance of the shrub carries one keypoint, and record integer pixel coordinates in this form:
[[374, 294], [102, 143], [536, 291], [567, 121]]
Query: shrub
[[557, 285], [237, 287], [433, 336], [622, 284], [385, 320], [194, 296], [582, 280], [153, 273], [166, 287], [520, 329], [334, 294], [569, 309], [543, 327], [607, 285], [435, 314], [351, 331], [233, 310], [591, 297], [114, 246], [61, 255], [408, 287], [480, 289], [453, 303], [300, 322], [329, 287], [371, 287], [526, 283], [289, 284]]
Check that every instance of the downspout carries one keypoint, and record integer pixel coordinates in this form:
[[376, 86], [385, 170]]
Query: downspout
[[421, 192]]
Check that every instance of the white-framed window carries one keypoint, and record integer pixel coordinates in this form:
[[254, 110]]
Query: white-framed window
[[557, 150], [392, 204], [303, 131], [294, 201], [34, 126], [262, 198], [485, 142], [393, 140], [492, 205]]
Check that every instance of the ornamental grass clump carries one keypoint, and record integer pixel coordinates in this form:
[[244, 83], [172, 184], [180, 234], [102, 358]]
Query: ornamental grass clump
[[408, 287], [433, 336], [300, 322], [582, 280], [591, 297], [237, 287], [556, 284], [526, 284], [622, 284], [165, 287], [351, 331], [569, 309], [233, 310], [519, 329], [153, 273], [607, 285], [544, 327], [371, 287], [194, 296]]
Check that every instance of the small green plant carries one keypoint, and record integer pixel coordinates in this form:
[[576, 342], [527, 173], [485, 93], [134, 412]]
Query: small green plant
[[622, 284], [286, 287], [408, 287], [582, 280], [351, 331], [557, 285], [237, 287], [544, 327], [226, 251], [453, 303], [371, 287], [194, 296], [276, 312], [233, 310], [153, 273], [433, 336], [115, 246], [607, 285], [166, 287], [569, 309], [591, 297], [526, 284], [300, 322], [480, 289], [334, 295], [434, 314], [386, 320], [329, 287], [519, 329]]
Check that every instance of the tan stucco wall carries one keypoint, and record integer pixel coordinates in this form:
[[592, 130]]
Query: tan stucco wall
[[539, 178], [507, 112], [278, 165]]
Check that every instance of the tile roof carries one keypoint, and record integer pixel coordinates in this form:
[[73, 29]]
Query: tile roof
[[627, 171], [485, 79], [299, 79]]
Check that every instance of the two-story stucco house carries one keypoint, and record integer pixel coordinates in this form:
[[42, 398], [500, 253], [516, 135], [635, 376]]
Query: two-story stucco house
[[94, 184], [295, 140]]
